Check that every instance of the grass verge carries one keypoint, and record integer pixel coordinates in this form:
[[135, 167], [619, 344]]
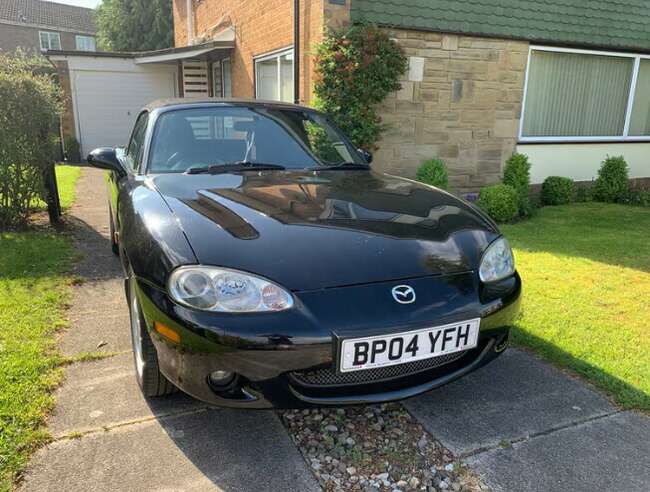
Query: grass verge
[[586, 273], [34, 289]]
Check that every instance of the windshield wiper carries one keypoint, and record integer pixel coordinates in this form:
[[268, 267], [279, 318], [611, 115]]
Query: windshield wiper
[[343, 167], [227, 167]]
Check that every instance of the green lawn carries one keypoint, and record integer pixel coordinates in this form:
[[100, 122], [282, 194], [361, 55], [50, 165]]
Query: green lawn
[[586, 273], [66, 177], [34, 288]]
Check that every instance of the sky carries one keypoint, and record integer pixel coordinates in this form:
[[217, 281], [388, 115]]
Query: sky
[[81, 3]]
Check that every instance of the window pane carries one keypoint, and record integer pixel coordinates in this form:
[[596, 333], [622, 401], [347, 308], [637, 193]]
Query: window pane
[[286, 78], [85, 43], [227, 84], [576, 95], [267, 79], [55, 41], [640, 119]]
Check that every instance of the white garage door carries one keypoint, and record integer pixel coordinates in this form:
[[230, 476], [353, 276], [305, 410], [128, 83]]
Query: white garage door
[[107, 103]]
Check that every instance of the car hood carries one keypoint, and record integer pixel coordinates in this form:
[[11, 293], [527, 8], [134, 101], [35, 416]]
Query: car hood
[[313, 230]]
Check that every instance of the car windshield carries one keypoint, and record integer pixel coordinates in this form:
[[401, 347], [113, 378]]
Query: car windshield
[[190, 139]]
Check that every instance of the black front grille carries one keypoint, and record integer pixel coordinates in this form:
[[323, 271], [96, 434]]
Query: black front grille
[[329, 377]]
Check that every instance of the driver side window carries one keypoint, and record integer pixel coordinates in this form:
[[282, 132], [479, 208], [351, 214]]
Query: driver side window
[[136, 145]]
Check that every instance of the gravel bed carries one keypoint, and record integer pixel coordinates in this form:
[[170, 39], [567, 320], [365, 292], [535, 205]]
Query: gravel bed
[[375, 448]]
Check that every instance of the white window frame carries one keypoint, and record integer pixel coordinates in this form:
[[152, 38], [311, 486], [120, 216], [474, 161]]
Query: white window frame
[[49, 41], [630, 102], [277, 54], [77, 37]]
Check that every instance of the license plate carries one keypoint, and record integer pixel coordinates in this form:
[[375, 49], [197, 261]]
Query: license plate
[[388, 350]]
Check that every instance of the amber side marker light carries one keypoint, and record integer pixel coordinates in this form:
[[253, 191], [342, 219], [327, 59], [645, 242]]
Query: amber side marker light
[[167, 332]]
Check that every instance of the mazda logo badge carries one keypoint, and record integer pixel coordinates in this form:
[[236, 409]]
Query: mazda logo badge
[[404, 294]]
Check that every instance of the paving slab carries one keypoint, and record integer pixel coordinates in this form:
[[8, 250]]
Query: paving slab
[[214, 449], [515, 396], [105, 393], [610, 453], [97, 332]]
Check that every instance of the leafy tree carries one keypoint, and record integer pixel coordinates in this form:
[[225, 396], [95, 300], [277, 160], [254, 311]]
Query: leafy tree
[[135, 25]]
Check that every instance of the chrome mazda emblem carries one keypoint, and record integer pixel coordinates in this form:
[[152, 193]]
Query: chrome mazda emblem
[[404, 294]]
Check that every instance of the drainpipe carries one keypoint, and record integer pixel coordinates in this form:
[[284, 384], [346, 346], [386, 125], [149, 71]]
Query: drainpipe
[[190, 22], [296, 51]]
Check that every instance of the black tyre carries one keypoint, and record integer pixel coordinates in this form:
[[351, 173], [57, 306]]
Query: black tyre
[[150, 379], [115, 248]]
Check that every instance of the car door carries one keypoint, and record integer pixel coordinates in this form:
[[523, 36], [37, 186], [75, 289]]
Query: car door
[[131, 157]]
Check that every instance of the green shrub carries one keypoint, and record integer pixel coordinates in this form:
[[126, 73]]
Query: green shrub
[[584, 193], [517, 174], [30, 103], [72, 150], [433, 172], [612, 183], [356, 68], [638, 198], [557, 190], [499, 201]]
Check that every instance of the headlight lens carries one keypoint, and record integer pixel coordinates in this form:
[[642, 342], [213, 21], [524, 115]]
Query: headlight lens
[[498, 262], [225, 290]]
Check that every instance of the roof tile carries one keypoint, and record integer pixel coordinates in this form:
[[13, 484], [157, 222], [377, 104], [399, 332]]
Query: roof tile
[[613, 23], [51, 14]]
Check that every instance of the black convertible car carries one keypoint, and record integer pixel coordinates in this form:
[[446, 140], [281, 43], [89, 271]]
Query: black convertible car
[[268, 265]]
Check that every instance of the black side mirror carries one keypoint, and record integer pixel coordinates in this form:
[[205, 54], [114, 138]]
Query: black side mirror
[[106, 158], [367, 156]]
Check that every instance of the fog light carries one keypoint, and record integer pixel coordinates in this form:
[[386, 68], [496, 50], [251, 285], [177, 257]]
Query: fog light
[[221, 378]]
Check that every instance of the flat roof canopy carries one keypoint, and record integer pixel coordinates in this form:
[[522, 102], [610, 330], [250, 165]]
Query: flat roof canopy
[[210, 50]]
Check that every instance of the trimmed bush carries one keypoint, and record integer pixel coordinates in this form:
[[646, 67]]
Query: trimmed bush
[[584, 193], [613, 183], [433, 172], [30, 103], [557, 190], [637, 198], [517, 174], [499, 201], [356, 68], [72, 150]]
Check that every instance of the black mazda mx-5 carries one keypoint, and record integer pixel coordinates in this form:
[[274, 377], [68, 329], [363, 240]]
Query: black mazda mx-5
[[268, 266]]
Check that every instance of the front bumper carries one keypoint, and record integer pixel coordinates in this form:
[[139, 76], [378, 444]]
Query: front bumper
[[271, 351]]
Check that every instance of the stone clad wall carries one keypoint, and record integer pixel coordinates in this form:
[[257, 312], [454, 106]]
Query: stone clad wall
[[465, 109]]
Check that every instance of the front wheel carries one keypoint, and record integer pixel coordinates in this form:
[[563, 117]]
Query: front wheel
[[150, 379]]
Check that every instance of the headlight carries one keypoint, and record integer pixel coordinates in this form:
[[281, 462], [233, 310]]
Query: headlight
[[225, 290], [498, 262]]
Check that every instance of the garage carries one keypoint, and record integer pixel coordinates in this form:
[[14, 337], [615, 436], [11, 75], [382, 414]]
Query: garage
[[105, 91]]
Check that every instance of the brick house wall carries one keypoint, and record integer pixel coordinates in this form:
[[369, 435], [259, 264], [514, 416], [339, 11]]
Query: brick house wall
[[261, 26], [12, 37], [465, 110]]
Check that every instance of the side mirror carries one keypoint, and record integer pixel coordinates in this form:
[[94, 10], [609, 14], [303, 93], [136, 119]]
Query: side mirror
[[106, 158], [367, 156]]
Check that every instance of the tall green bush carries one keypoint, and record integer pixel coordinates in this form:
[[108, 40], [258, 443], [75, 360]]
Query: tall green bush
[[30, 103], [517, 174], [499, 202], [356, 69], [433, 172], [612, 184]]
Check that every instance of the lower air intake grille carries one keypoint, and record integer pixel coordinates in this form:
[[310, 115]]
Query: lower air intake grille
[[329, 377]]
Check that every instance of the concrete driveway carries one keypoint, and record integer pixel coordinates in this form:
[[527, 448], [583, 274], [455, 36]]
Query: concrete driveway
[[519, 423]]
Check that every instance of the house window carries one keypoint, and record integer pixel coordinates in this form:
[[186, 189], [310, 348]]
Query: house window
[[580, 95], [226, 78], [274, 76], [50, 40], [85, 43]]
